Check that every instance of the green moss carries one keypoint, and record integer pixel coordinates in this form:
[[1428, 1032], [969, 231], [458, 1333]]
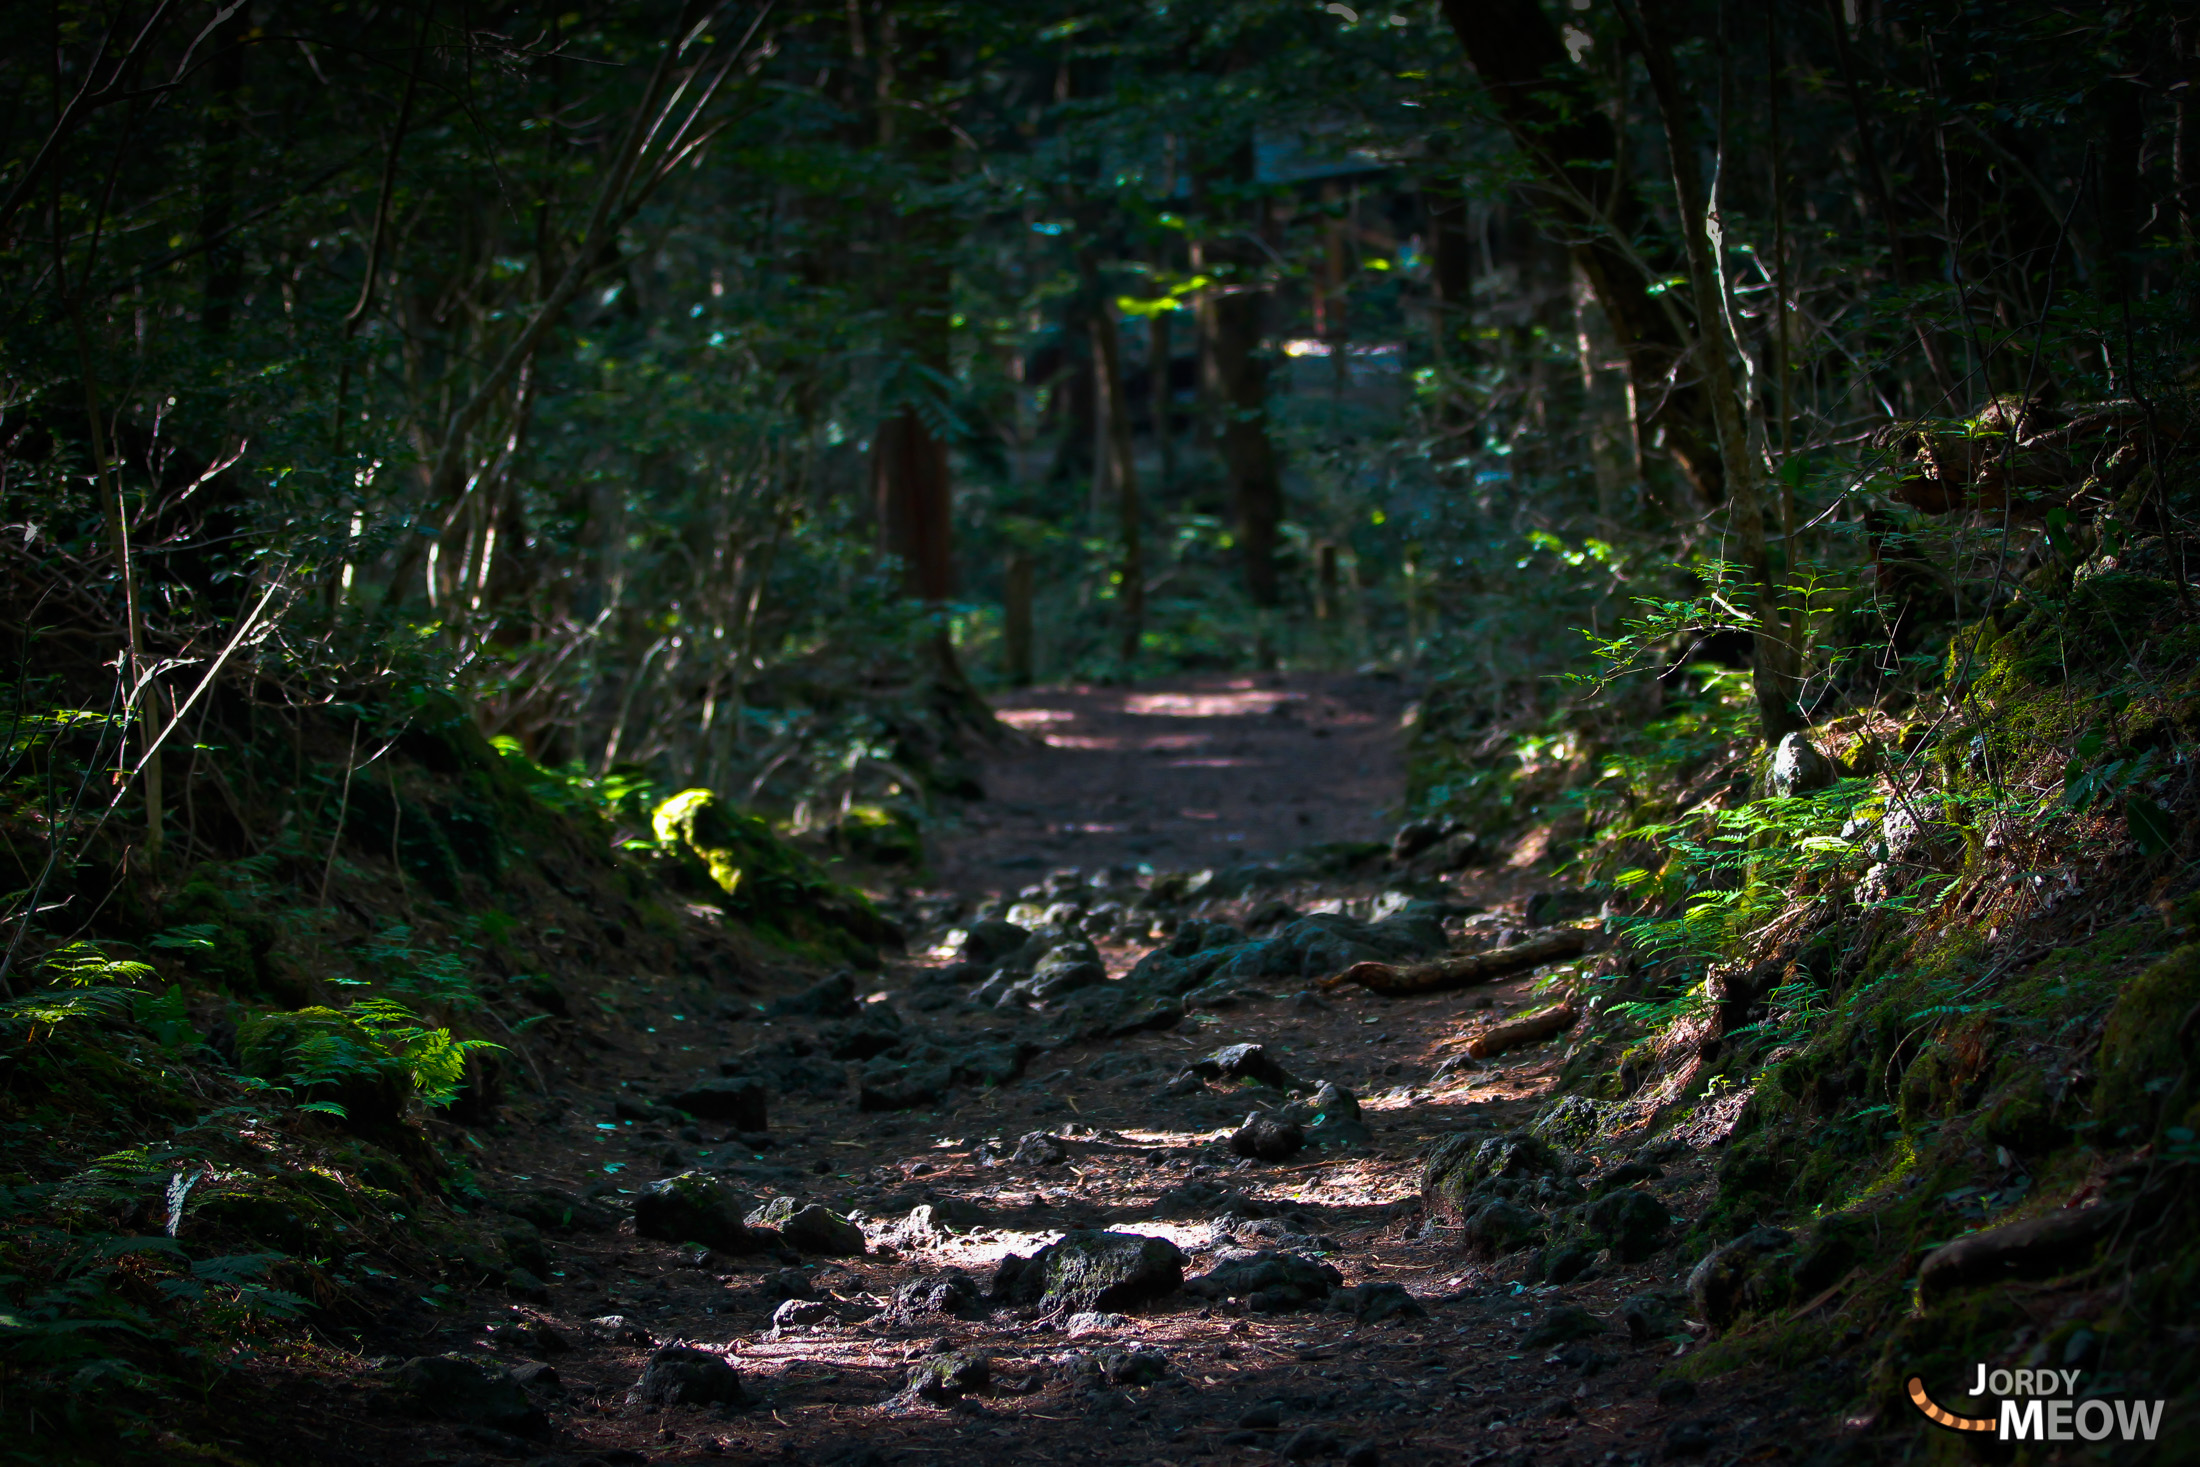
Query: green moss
[[2020, 1115], [2146, 1049], [1755, 1179], [1942, 1345], [299, 1212], [376, 823], [883, 835], [781, 893], [77, 1074], [1985, 660]]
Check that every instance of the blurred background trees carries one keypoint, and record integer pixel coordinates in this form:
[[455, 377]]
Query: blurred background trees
[[697, 389]]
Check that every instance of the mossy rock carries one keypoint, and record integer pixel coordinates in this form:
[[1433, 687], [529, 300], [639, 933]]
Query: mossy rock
[[2116, 601], [1455, 1169], [1498, 1227], [881, 835], [783, 894], [2146, 1048], [2020, 1115], [809, 1227], [79, 1069], [1571, 1122], [1984, 657], [1942, 1345], [1756, 1180], [695, 1207], [273, 1213], [1752, 1274], [329, 1058], [1090, 1269], [1631, 1222], [2066, 635], [470, 829], [378, 1173]]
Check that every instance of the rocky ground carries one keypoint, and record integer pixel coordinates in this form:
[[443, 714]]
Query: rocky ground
[[1101, 1172]]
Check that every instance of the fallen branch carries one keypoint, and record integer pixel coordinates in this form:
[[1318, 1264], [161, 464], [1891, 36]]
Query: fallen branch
[[1534, 1029], [1465, 968]]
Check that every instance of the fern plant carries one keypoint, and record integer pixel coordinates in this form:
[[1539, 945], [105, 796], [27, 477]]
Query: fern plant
[[434, 1059]]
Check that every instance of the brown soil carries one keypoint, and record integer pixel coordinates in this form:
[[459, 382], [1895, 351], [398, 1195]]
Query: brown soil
[[1178, 776]]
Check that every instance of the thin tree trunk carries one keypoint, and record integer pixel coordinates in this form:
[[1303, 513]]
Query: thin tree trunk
[[1773, 662], [377, 239], [1158, 351], [1232, 327], [1555, 120], [1332, 317], [1016, 619], [1451, 269], [1604, 402], [222, 137], [1256, 484], [1115, 413], [1206, 370], [2184, 175]]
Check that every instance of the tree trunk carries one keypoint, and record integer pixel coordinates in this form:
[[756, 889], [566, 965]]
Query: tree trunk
[[224, 135], [2122, 133], [1232, 326], [1451, 270], [1612, 454], [1256, 484], [910, 479], [1115, 414], [1158, 351], [1332, 322], [1016, 620], [2184, 175], [1773, 663], [1554, 119], [913, 494]]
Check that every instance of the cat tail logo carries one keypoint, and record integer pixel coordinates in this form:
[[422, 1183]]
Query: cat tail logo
[[1939, 1417]]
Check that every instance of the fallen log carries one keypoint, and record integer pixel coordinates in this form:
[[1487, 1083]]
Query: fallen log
[[1533, 1029], [1463, 969], [2038, 1247]]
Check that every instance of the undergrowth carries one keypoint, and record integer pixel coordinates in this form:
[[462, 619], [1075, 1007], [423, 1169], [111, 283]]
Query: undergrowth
[[1920, 972]]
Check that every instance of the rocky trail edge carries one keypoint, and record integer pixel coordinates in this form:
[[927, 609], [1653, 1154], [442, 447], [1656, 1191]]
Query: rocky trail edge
[[1100, 1171]]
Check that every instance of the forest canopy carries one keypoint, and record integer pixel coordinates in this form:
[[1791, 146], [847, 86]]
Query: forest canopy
[[625, 370]]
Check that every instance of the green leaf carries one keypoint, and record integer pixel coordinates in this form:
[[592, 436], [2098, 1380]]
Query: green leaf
[[192, 935], [2150, 824]]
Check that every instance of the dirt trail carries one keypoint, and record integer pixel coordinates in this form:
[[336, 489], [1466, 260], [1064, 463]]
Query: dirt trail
[[1179, 776], [1182, 774]]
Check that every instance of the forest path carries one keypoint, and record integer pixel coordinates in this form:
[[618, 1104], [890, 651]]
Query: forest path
[[1113, 1132], [1181, 774]]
